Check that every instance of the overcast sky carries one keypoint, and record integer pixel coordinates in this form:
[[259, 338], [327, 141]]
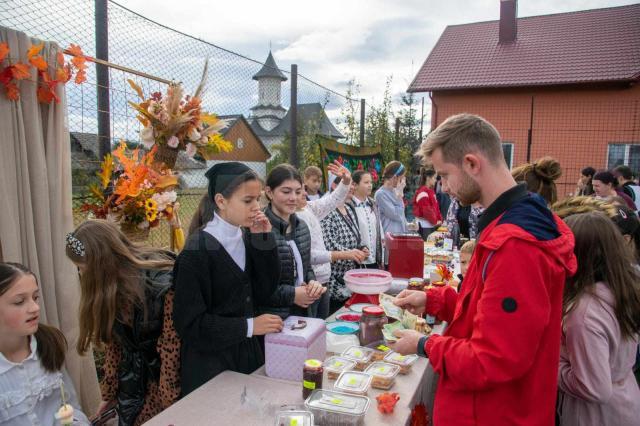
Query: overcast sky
[[333, 41]]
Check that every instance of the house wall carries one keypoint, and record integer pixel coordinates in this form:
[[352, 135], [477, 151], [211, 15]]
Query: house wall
[[575, 126], [251, 150]]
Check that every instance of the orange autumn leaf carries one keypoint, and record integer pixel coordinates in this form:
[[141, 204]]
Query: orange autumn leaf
[[12, 91], [81, 77], [39, 63], [4, 51], [75, 50], [45, 95], [34, 50], [62, 75], [21, 71], [79, 62]]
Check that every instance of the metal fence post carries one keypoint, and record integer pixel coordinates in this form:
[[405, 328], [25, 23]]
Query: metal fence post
[[102, 77], [293, 111], [397, 148], [362, 119]]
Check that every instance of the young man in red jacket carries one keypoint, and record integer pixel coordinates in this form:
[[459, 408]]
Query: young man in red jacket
[[498, 358]]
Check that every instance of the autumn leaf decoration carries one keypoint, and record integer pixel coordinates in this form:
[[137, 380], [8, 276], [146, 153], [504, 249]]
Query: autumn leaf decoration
[[46, 92]]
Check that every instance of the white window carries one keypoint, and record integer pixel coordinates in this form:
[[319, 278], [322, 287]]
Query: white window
[[240, 143], [623, 154], [507, 151]]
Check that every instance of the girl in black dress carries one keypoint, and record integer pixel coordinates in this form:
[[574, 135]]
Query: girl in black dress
[[225, 270]]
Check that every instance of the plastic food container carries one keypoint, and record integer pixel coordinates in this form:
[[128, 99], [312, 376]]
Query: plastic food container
[[360, 354], [337, 408], [368, 281], [294, 418], [405, 362], [335, 365], [380, 350], [353, 382], [383, 374]]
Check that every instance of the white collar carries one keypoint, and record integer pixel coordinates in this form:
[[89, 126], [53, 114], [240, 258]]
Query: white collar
[[223, 228], [6, 365], [230, 236]]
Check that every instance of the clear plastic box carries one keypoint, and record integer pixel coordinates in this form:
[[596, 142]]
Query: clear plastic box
[[337, 408], [354, 382], [405, 362], [360, 354], [294, 418], [335, 365], [383, 374]]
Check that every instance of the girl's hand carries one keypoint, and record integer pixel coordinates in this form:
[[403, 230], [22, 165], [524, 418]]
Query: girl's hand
[[104, 406], [267, 323], [261, 223], [315, 289], [301, 298], [339, 170]]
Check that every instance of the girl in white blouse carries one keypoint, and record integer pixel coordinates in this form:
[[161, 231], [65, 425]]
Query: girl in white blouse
[[31, 358]]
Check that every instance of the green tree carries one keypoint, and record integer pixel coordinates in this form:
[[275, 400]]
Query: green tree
[[349, 121]]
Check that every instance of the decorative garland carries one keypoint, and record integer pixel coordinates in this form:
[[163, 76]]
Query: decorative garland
[[46, 93]]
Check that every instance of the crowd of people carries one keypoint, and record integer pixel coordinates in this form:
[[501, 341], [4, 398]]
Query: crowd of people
[[542, 328]]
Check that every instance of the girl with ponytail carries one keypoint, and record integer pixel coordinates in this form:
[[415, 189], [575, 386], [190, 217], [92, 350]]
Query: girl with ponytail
[[540, 177]]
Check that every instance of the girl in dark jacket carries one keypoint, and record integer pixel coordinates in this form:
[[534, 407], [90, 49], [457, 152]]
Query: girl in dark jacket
[[126, 307], [226, 268], [298, 287]]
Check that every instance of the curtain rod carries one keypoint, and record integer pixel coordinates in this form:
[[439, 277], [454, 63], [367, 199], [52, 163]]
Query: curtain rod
[[122, 68]]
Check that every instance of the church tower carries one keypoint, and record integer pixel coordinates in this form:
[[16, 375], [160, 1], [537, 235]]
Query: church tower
[[268, 112]]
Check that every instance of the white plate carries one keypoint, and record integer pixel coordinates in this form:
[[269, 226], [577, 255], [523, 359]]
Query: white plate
[[359, 306]]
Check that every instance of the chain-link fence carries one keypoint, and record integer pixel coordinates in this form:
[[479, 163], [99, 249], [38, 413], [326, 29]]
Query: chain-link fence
[[584, 128], [254, 97]]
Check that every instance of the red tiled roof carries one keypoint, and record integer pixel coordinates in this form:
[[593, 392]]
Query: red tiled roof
[[600, 45]]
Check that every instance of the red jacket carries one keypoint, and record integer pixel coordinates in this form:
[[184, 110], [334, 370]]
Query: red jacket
[[425, 205], [498, 358]]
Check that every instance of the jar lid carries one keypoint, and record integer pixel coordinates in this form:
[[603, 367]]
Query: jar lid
[[313, 363], [418, 279], [373, 310]]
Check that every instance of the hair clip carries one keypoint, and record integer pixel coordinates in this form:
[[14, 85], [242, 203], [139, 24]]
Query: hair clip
[[75, 245]]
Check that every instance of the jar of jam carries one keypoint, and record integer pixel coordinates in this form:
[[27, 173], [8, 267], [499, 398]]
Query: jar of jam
[[372, 321], [415, 284], [311, 377]]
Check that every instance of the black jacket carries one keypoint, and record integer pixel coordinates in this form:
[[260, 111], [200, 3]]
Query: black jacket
[[213, 300], [281, 301], [140, 361]]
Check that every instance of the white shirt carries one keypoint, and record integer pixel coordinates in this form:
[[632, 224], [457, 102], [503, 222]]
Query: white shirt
[[30, 395], [369, 228], [312, 214], [230, 236]]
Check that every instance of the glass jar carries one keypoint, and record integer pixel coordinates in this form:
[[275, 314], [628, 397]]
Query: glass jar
[[415, 284], [311, 377], [371, 323]]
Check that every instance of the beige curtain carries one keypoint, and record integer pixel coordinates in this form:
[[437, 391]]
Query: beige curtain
[[35, 211]]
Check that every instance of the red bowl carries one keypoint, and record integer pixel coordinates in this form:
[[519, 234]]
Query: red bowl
[[349, 317]]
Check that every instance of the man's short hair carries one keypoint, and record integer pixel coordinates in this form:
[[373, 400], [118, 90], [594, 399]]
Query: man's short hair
[[624, 171], [463, 134], [312, 171]]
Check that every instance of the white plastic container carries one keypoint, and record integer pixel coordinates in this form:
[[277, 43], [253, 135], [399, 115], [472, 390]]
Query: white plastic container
[[332, 408], [360, 354], [405, 362], [353, 382], [335, 365], [294, 417], [383, 374]]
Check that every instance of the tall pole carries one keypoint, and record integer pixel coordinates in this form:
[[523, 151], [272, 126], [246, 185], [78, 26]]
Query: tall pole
[[397, 153], [293, 111], [421, 119], [102, 77], [362, 115], [530, 133]]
